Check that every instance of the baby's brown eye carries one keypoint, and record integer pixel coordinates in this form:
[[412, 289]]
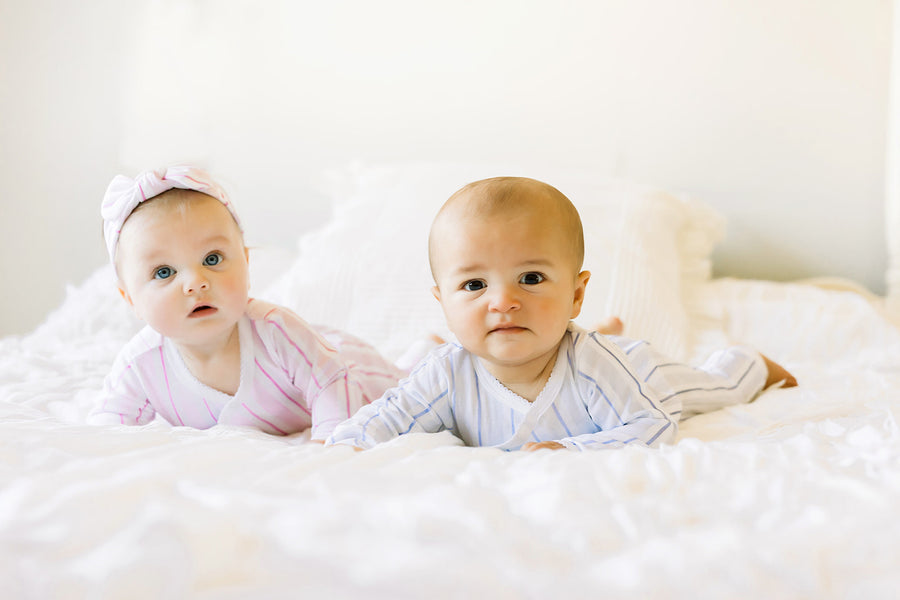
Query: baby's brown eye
[[474, 285]]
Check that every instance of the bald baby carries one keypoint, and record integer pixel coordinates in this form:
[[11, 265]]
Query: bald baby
[[501, 199]]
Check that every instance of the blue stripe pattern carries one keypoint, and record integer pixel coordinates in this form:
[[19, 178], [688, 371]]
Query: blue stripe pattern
[[602, 393], [607, 397], [562, 421], [713, 389], [478, 400]]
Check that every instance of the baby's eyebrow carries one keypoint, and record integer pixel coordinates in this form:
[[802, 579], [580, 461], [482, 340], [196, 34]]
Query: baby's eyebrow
[[467, 269], [155, 255], [159, 255], [476, 267], [215, 239], [540, 262]]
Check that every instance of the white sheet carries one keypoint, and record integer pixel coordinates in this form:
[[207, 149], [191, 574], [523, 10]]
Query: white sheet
[[795, 495]]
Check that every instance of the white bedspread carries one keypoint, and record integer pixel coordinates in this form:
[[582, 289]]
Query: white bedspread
[[794, 496]]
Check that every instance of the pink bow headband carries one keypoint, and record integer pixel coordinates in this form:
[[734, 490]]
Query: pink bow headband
[[124, 194]]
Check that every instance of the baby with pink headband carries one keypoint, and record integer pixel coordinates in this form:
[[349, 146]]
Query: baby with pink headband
[[210, 354]]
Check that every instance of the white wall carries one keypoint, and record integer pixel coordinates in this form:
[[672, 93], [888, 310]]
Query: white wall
[[892, 184], [60, 131], [772, 110]]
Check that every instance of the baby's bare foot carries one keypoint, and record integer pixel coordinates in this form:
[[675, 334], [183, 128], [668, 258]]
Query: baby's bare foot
[[610, 326], [778, 373]]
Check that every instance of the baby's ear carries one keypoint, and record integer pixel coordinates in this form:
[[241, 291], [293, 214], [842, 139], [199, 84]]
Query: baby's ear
[[125, 296], [436, 292], [581, 281]]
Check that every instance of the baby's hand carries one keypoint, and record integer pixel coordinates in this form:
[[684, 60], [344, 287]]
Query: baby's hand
[[356, 448], [532, 446]]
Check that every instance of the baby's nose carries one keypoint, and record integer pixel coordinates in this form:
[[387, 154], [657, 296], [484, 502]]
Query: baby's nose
[[504, 299], [195, 282]]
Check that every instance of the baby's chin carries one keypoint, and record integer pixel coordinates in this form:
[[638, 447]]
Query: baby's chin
[[514, 358]]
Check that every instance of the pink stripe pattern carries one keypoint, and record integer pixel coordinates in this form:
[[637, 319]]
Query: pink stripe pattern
[[267, 422], [209, 410], [162, 362], [283, 393]]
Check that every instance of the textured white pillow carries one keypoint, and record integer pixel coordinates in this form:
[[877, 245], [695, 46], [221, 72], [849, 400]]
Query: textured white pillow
[[367, 270], [662, 257]]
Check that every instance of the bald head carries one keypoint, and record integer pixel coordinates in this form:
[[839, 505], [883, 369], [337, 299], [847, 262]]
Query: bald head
[[510, 197]]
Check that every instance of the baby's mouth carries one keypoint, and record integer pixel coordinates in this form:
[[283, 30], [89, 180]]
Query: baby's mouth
[[203, 310], [507, 328]]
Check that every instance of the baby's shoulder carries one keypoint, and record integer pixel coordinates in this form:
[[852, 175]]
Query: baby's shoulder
[[267, 316], [146, 342], [260, 310], [584, 342], [591, 349], [451, 353], [447, 358], [277, 328]]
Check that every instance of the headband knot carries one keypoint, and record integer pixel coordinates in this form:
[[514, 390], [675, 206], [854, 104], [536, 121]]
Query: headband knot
[[124, 194]]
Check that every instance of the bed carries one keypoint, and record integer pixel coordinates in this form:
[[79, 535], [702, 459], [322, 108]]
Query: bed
[[795, 495]]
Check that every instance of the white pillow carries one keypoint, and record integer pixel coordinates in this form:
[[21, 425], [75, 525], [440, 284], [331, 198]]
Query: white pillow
[[662, 255], [367, 270], [811, 321]]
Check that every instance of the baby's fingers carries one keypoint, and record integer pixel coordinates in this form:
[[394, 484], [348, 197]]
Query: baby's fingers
[[532, 446]]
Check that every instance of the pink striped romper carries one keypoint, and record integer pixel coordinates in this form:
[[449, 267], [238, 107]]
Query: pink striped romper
[[293, 376]]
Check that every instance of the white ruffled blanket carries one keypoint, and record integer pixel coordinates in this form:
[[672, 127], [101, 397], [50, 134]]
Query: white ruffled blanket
[[795, 495]]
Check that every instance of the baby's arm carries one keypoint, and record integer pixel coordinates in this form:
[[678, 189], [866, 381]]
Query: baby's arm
[[421, 403], [124, 401], [608, 326], [649, 429], [316, 369], [624, 409], [337, 401]]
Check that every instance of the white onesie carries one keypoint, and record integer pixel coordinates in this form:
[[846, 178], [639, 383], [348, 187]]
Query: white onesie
[[603, 392]]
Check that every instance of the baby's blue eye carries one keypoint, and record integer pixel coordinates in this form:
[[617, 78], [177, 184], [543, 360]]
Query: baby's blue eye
[[474, 286], [212, 259], [531, 278], [164, 273]]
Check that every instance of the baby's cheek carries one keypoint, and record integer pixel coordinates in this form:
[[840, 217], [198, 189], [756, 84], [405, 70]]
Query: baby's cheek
[[237, 285]]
